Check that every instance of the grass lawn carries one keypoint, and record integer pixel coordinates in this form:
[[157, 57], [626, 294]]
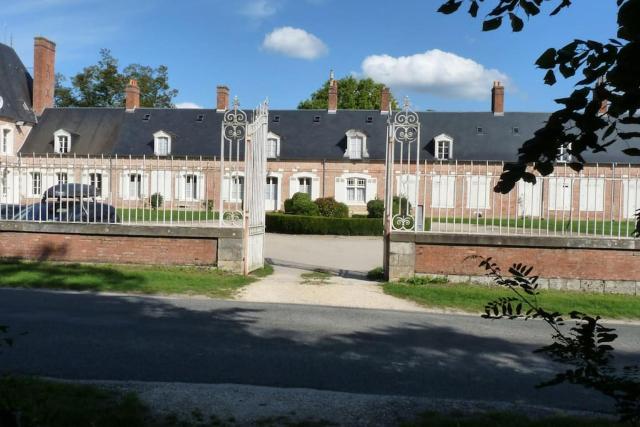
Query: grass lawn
[[472, 298], [121, 278], [606, 228], [162, 215]]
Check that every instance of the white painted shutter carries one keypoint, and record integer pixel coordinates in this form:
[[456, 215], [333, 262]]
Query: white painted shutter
[[592, 194], [201, 185], [529, 199], [560, 193], [293, 186], [124, 186], [443, 191], [340, 191], [406, 186], [226, 192], [315, 188], [631, 190], [372, 189], [180, 186], [145, 184], [478, 192]]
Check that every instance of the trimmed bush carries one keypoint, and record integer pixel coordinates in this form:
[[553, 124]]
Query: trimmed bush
[[299, 224], [401, 201], [375, 208], [156, 200], [329, 207], [359, 216], [301, 204]]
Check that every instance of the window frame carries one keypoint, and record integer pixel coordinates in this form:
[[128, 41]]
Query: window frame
[[442, 138], [161, 135], [358, 186], [57, 141], [6, 140], [563, 155], [351, 135], [272, 137]]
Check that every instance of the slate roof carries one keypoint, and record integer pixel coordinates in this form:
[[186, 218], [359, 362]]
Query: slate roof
[[304, 134], [16, 86]]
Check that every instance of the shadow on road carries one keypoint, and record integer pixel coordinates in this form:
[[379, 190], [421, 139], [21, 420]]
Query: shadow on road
[[148, 339]]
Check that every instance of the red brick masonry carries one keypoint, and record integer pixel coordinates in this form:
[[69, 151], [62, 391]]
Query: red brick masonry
[[566, 263]]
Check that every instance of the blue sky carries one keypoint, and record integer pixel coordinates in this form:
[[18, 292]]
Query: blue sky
[[284, 49]]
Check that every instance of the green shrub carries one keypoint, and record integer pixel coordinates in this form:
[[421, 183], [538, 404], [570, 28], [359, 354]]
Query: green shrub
[[375, 208], [359, 216], [425, 280], [156, 200], [299, 224], [377, 274], [401, 201], [301, 204], [329, 207]]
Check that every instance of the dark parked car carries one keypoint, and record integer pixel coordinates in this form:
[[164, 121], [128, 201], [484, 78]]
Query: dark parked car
[[69, 203], [8, 211]]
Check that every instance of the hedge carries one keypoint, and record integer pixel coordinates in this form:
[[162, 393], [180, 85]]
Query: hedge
[[298, 224]]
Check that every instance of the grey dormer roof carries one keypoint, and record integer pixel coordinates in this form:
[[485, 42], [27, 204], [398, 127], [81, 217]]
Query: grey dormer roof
[[16, 86], [304, 134]]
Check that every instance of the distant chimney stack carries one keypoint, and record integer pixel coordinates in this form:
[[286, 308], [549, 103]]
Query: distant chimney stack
[[497, 99], [333, 94], [222, 98], [44, 74], [385, 100], [132, 95]]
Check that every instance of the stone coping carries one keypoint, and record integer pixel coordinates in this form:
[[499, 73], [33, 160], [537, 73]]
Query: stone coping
[[561, 242], [179, 231]]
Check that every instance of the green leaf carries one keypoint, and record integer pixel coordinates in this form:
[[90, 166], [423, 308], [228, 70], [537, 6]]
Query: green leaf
[[547, 60], [516, 23], [529, 8], [450, 7], [631, 151], [473, 9], [492, 24], [550, 78]]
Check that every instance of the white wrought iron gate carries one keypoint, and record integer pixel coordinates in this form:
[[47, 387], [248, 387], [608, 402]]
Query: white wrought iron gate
[[243, 172]]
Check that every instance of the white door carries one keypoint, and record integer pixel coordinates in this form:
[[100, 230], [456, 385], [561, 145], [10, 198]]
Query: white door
[[529, 199], [271, 194], [560, 194], [631, 197]]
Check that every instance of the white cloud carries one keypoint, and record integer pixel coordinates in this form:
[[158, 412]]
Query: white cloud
[[294, 42], [187, 105], [436, 72], [260, 9]]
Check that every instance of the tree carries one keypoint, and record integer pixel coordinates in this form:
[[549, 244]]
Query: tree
[[102, 85], [603, 106], [353, 94]]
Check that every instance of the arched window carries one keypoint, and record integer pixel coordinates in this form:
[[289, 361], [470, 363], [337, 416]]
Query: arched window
[[62, 141], [6, 140], [356, 145], [443, 147], [273, 146], [161, 143]]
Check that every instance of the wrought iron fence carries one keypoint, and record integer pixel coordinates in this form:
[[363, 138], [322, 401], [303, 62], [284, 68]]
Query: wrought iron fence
[[458, 197], [166, 190]]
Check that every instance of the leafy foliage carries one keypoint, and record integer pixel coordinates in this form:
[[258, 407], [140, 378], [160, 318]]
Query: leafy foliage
[[301, 204], [603, 106], [156, 200], [375, 208], [401, 205], [103, 85], [353, 94], [329, 207], [585, 347], [300, 224]]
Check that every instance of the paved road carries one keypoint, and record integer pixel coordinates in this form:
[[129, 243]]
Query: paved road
[[337, 253], [85, 336]]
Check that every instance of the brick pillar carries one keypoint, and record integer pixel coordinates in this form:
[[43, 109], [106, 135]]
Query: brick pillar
[[385, 98], [222, 98], [44, 74], [333, 94], [132, 95], [497, 99]]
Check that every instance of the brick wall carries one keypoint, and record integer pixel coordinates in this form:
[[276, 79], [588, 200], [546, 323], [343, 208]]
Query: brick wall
[[108, 248]]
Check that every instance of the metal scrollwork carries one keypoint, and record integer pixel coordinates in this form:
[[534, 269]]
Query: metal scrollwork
[[403, 222], [405, 125], [235, 123], [232, 218]]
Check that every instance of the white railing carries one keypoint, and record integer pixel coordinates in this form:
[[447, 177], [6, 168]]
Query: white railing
[[125, 190], [458, 197]]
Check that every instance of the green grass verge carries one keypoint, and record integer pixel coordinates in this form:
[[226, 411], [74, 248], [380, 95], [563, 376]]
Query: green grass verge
[[505, 419], [123, 278], [472, 298], [595, 227], [164, 216]]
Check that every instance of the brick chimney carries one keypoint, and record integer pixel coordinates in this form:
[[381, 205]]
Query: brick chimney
[[333, 94], [385, 98], [497, 99], [44, 74], [222, 98], [132, 95]]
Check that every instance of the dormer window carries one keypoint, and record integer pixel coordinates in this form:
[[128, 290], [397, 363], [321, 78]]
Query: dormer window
[[161, 143], [443, 148], [563, 153], [61, 141], [273, 146], [356, 145]]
